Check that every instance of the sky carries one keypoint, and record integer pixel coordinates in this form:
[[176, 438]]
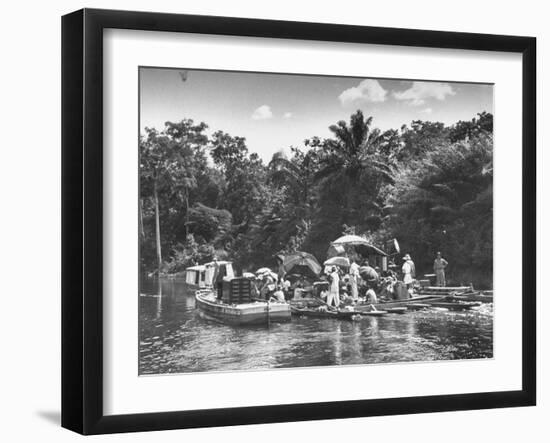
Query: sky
[[276, 111]]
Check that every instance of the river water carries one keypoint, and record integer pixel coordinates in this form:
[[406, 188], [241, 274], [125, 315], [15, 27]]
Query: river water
[[175, 338]]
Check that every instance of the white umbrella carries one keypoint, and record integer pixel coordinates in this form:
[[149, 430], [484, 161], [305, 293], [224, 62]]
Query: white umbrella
[[343, 262], [263, 271], [355, 240]]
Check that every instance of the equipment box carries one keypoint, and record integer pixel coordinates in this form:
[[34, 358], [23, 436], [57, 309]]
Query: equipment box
[[237, 291]]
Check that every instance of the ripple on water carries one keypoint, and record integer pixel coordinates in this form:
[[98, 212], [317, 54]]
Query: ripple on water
[[174, 338]]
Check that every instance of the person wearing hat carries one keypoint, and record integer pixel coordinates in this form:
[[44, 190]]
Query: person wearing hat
[[439, 268], [408, 271]]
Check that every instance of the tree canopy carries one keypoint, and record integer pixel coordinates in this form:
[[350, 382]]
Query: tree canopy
[[428, 185]]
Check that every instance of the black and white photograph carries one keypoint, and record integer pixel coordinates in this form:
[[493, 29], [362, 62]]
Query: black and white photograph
[[294, 221]]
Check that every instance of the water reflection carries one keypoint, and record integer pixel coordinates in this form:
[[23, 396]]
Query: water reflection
[[175, 338]]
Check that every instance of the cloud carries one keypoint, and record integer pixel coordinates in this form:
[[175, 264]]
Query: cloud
[[427, 111], [419, 92], [367, 91], [262, 113], [287, 115]]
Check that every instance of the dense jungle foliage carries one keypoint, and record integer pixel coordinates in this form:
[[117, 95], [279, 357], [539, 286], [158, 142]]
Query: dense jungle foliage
[[427, 184]]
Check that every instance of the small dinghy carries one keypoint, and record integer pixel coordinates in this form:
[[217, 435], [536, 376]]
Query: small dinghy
[[455, 306], [373, 313], [398, 310], [321, 313], [417, 306]]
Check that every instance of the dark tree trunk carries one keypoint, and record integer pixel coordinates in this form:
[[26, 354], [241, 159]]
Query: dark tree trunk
[[157, 228]]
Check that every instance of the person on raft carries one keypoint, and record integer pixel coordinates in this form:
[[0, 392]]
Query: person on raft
[[439, 269], [334, 288], [408, 271]]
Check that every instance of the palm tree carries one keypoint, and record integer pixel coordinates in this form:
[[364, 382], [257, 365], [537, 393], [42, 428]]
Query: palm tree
[[297, 174], [357, 157]]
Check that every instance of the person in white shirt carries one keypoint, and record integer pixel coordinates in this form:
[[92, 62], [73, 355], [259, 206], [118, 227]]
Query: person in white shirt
[[353, 277], [408, 271], [334, 290], [371, 296]]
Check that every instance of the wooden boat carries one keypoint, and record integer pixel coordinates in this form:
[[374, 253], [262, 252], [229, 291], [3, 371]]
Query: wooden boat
[[372, 313], [252, 313], [397, 310], [313, 312], [473, 296], [417, 306], [385, 305], [455, 306]]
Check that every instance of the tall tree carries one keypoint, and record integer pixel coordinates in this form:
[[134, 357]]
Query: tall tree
[[168, 167], [354, 166]]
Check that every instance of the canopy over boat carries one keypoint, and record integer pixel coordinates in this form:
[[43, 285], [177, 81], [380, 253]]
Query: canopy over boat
[[361, 245]]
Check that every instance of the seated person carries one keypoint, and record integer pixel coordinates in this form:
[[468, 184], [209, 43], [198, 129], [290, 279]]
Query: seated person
[[268, 287], [278, 295], [371, 296], [286, 289]]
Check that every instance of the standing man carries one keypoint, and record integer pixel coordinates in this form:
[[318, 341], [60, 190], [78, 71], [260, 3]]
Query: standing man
[[334, 289], [408, 271], [280, 268], [353, 277], [439, 268]]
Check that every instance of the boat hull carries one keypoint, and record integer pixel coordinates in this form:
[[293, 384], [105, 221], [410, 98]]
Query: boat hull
[[474, 297], [455, 306], [256, 313], [339, 315]]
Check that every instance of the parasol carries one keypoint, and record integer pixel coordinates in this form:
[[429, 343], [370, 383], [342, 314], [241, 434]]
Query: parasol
[[263, 271], [301, 263], [360, 244], [343, 262]]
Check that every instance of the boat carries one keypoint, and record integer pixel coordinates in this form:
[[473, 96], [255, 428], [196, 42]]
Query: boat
[[473, 296], [417, 306], [403, 303], [458, 293], [372, 313], [313, 312], [201, 276], [396, 310], [455, 306], [249, 313]]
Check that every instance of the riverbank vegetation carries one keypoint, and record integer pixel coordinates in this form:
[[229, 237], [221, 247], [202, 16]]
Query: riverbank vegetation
[[427, 184]]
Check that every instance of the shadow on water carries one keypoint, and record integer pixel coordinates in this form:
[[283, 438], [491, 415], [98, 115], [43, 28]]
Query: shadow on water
[[174, 338]]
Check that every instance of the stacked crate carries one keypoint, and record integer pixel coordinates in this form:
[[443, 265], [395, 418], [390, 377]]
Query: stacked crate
[[237, 291]]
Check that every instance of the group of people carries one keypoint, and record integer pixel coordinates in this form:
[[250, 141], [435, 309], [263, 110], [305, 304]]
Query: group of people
[[365, 281], [346, 285]]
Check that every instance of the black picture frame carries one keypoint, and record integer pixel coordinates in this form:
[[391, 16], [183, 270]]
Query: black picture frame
[[82, 218]]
